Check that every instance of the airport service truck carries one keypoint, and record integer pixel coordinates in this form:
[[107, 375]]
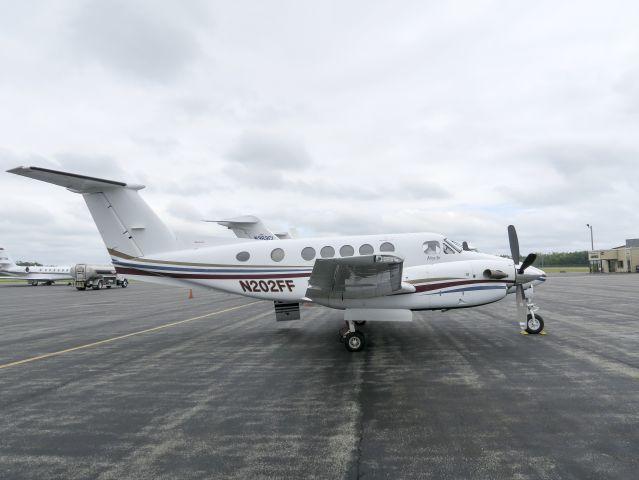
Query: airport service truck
[[96, 276]]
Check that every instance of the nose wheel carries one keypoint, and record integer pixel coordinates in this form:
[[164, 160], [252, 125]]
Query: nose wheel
[[534, 324], [353, 340]]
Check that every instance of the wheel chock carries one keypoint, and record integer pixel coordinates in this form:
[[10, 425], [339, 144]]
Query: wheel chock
[[543, 332], [523, 332]]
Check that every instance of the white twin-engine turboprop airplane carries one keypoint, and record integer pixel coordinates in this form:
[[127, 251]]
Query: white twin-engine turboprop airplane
[[46, 274], [371, 277]]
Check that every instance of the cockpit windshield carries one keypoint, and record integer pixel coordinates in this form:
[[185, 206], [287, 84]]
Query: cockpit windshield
[[451, 247]]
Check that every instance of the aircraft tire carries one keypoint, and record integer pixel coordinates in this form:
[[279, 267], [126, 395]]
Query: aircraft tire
[[354, 341], [534, 327]]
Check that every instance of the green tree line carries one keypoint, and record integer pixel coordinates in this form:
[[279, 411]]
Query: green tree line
[[562, 259]]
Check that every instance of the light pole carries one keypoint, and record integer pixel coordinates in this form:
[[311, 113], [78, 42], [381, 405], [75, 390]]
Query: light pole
[[592, 243]]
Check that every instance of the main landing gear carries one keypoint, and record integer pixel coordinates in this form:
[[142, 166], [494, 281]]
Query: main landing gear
[[353, 340]]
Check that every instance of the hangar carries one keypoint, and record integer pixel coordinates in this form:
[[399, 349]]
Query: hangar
[[619, 259]]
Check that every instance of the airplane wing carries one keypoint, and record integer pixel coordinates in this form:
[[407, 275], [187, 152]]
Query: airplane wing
[[365, 276]]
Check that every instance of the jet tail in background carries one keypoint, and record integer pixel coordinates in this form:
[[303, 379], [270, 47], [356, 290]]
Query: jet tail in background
[[128, 226], [248, 226], [5, 260]]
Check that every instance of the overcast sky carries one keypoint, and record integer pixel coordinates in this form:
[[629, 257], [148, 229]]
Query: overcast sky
[[327, 117]]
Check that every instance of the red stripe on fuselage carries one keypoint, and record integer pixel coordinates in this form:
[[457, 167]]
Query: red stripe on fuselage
[[206, 276], [436, 286]]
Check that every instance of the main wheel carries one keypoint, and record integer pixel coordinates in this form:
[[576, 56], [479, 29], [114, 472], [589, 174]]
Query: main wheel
[[354, 341], [534, 325]]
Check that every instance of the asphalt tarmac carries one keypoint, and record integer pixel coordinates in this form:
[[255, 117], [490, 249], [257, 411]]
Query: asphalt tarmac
[[144, 383]]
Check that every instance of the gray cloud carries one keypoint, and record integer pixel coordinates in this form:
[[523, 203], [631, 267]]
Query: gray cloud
[[258, 150], [398, 120], [133, 39], [101, 166], [576, 158]]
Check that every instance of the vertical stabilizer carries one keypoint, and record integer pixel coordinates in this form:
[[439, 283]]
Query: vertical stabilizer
[[5, 260], [128, 226]]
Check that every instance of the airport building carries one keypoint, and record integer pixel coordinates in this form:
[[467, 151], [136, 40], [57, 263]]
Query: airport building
[[619, 259]]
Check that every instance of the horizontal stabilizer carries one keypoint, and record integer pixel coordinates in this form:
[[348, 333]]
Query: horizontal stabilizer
[[72, 181]]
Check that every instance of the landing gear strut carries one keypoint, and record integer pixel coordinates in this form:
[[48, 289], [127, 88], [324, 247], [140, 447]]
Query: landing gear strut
[[534, 322], [354, 340]]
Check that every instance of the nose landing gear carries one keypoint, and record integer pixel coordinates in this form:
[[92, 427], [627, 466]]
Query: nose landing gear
[[534, 323]]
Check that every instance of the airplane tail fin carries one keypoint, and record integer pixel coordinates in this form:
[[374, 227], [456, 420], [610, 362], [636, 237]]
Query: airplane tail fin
[[128, 226], [5, 260]]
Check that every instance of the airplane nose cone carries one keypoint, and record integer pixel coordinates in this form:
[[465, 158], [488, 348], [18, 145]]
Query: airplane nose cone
[[532, 274], [538, 273]]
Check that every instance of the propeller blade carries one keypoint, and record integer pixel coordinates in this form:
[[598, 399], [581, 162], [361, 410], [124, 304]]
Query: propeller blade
[[522, 310], [527, 262], [514, 243]]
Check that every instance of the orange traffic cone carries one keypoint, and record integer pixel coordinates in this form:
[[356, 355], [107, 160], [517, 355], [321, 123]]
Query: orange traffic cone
[[190, 293]]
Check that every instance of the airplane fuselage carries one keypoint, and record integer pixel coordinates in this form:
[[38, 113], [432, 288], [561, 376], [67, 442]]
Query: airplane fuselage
[[442, 274], [37, 273]]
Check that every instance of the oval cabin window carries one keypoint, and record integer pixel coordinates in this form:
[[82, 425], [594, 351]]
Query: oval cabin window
[[346, 251], [387, 247], [277, 255], [366, 249], [308, 253], [243, 256], [327, 252]]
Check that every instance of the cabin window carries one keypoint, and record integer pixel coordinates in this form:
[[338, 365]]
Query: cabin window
[[432, 247], [327, 252], [277, 255], [387, 247], [243, 256], [308, 253], [347, 251], [366, 249]]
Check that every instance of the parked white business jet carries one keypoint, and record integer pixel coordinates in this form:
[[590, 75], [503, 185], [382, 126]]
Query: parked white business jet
[[372, 277], [46, 274]]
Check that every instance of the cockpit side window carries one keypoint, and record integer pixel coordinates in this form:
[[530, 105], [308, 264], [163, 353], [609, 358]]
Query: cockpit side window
[[432, 247]]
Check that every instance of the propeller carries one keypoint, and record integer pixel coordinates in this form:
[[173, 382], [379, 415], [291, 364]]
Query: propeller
[[520, 275], [528, 261], [514, 243]]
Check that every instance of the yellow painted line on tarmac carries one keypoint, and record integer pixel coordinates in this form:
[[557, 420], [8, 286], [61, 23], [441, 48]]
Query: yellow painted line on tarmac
[[121, 337]]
